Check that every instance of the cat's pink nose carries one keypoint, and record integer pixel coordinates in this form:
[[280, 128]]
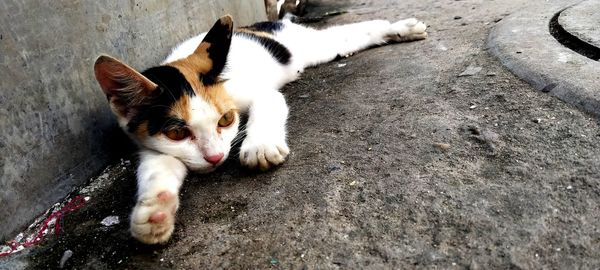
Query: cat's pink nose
[[214, 159]]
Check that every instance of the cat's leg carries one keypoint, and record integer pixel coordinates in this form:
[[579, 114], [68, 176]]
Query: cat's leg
[[159, 179], [271, 7], [407, 30], [265, 144], [319, 46]]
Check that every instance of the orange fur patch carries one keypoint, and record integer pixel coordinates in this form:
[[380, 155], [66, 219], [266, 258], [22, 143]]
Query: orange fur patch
[[191, 68], [180, 108], [142, 130], [218, 97]]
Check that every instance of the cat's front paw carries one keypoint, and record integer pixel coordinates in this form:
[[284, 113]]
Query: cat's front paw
[[262, 153], [408, 30], [153, 217]]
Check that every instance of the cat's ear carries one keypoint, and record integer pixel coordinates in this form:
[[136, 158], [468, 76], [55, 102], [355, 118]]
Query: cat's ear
[[125, 88], [215, 47]]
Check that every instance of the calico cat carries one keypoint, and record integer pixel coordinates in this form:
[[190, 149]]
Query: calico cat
[[277, 9], [185, 113]]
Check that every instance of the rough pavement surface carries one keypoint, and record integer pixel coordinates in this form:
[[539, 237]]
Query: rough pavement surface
[[524, 44], [397, 162]]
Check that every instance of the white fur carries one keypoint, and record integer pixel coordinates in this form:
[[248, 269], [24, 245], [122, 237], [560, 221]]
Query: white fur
[[253, 79], [207, 141], [157, 173]]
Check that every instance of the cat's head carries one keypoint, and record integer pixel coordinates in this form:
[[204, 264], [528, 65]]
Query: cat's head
[[181, 108]]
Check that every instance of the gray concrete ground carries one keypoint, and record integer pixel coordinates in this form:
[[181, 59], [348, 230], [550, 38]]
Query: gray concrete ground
[[423, 155], [524, 44], [582, 21]]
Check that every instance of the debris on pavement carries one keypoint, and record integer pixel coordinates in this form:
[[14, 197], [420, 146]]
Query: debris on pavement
[[50, 221], [442, 146], [470, 71], [110, 221], [66, 256]]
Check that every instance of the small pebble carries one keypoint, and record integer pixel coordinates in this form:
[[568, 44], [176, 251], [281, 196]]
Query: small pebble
[[65, 257], [537, 120], [474, 130], [473, 107], [110, 220], [442, 146], [470, 71], [569, 187]]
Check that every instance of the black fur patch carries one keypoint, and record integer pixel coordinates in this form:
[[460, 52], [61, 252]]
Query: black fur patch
[[219, 37], [269, 27], [171, 86], [276, 49]]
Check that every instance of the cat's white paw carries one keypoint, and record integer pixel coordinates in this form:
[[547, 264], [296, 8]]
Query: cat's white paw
[[263, 154], [408, 30], [153, 217]]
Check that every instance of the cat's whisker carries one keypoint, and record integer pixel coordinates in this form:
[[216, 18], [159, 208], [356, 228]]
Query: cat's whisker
[[237, 141], [159, 106]]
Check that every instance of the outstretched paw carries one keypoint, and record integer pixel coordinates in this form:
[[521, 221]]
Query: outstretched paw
[[408, 30], [153, 217], [263, 154]]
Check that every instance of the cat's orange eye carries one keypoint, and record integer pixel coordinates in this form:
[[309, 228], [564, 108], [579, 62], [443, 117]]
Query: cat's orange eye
[[178, 134], [227, 119]]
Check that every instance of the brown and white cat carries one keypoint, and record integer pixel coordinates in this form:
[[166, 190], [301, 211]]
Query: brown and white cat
[[184, 113], [277, 9]]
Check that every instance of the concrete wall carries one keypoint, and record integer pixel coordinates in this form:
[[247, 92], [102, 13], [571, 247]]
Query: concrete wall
[[55, 126]]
